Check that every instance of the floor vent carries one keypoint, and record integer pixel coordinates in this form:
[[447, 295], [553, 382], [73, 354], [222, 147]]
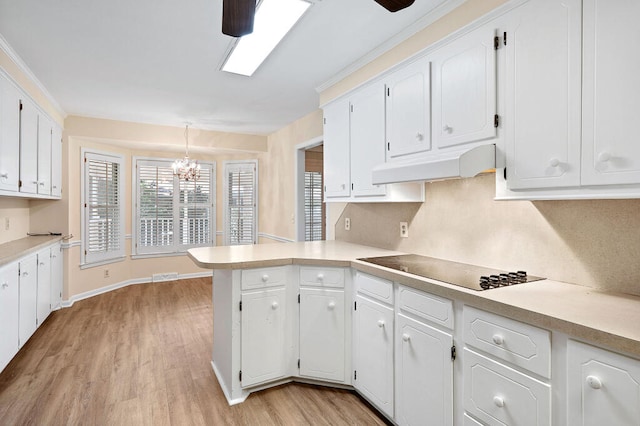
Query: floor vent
[[167, 276]]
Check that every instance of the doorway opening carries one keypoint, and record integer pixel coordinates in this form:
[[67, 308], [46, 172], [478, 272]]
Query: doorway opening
[[310, 208]]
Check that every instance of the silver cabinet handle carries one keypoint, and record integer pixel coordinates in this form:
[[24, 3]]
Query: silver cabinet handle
[[5, 285], [25, 274], [4, 175]]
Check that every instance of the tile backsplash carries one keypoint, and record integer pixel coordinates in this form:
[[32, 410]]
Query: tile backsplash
[[594, 243]]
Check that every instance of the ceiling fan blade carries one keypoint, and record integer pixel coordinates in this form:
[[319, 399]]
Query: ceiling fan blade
[[394, 5], [237, 17]]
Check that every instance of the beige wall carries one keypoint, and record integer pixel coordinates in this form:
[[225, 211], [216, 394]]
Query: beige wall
[[595, 243], [277, 176], [16, 210]]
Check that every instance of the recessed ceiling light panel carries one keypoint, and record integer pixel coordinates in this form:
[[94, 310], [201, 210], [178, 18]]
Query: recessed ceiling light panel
[[273, 20]]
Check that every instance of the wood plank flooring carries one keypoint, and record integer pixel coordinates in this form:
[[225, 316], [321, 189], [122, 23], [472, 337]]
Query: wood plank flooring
[[141, 355]]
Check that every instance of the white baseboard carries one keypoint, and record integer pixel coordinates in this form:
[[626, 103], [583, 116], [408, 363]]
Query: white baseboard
[[226, 392], [111, 287]]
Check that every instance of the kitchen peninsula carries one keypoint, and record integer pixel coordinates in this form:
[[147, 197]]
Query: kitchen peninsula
[[300, 311]]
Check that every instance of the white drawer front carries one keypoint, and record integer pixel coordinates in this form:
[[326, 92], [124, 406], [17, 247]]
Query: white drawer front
[[470, 421], [521, 344], [428, 306], [324, 277], [499, 395], [374, 287], [264, 277]]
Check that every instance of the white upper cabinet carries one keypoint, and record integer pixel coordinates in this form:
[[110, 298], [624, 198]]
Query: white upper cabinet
[[542, 89], [56, 161], [45, 130], [367, 139], [408, 110], [464, 90], [9, 135], [611, 152], [28, 147], [337, 160]]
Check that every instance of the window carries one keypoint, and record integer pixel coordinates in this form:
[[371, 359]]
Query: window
[[102, 208], [241, 199], [171, 214], [313, 206]]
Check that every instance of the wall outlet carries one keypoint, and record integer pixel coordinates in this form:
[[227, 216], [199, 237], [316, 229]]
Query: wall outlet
[[106, 273], [404, 230], [347, 224]]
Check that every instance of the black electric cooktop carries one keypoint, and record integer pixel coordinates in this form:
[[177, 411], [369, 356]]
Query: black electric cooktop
[[469, 276]]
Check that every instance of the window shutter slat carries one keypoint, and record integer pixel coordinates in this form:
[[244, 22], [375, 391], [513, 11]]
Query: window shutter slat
[[241, 204]]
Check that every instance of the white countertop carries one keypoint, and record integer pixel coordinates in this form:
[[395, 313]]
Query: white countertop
[[606, 319], [16, 249]]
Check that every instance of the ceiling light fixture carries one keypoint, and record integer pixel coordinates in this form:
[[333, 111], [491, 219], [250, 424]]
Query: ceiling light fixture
[[186, 168], [273, 20]]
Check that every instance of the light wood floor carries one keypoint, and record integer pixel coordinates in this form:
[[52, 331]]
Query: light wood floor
[[141, 355]]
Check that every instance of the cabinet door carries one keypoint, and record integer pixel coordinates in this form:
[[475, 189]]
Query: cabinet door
[[28, 297], [367, 139], [9, 315], [373, 353], [408, 110], [543, 94], [464, 90], [28, 147], [9, 135], [424, 374], [57, 276], [337, 160], [264, 351], [322, 345], [603, 387], [56, 161], [611, 154], [44, 155], [44, 284]]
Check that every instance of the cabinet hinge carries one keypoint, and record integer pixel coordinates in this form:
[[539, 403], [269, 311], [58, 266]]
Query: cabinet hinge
[[355, 306], [504, 38], [352, 186], [20, 184], [388, 146], [20, 105], [298, 301], [240, 305], [240, 375], [298, 363], [496, 120], [496, 43], [505, 173], [453, 353], [351, 106], [388, 92], [355, 374], [324, 120]]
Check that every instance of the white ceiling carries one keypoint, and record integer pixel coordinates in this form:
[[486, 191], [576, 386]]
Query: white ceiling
[[157, 61]]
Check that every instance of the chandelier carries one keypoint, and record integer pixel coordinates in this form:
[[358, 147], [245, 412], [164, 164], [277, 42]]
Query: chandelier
[[186, 168]]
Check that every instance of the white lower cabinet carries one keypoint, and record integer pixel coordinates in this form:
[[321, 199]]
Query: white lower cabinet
[[500, 395], [322, 334], [28, 305], [373, 352], [264, 339], [424, 374], [44, 285], [57, 276], [9, 313], [603, 387]]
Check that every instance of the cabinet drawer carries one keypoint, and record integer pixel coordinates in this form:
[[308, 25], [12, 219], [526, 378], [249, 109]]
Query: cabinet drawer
[[374, 287], [264, 277], [324, 277], [520, 344], [497, 394], [427, 306]]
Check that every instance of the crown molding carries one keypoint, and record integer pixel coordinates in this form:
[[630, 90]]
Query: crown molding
[[22, 66], [394, 41]]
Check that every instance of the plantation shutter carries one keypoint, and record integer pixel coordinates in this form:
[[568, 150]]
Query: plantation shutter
[[313, 206], [155, 206], [241, 203], [103, 237], [196, 209]]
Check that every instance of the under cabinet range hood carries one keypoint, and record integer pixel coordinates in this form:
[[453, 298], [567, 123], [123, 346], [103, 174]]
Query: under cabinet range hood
[[446, 165]]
